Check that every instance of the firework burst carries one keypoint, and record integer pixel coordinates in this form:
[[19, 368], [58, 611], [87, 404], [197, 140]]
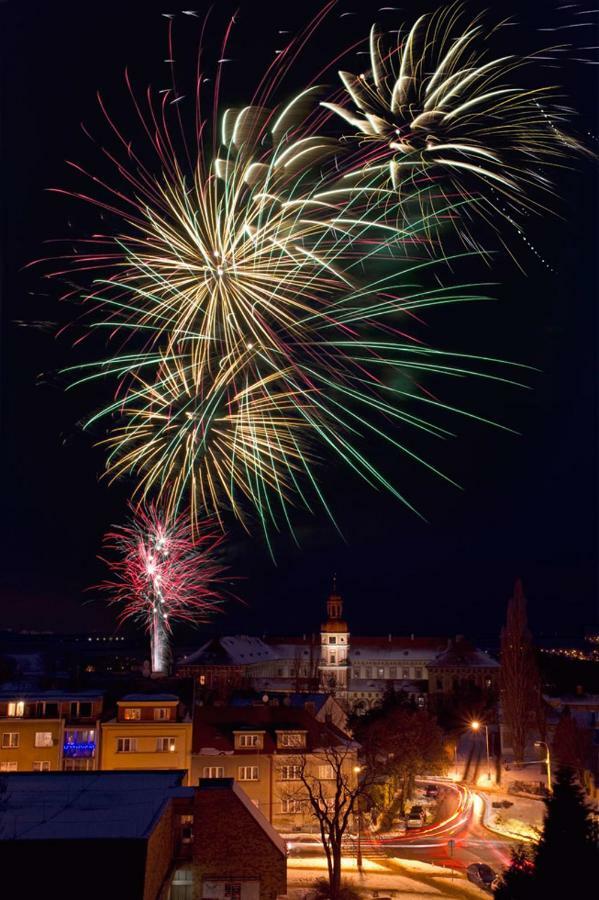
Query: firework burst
[[436, 109], [163, 573]]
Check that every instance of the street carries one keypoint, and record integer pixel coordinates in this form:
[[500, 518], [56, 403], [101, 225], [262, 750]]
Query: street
[[456, 838]]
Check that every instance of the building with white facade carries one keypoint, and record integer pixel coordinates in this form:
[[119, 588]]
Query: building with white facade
[[357, 669]]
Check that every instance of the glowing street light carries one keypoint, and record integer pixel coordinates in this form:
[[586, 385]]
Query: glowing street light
[[547, 763], [475, 725]]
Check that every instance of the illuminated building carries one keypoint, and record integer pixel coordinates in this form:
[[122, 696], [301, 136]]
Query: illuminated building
[[151, 731], [46, 731]]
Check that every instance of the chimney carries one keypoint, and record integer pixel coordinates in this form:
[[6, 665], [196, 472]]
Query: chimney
[[389, 637], [412, 636]]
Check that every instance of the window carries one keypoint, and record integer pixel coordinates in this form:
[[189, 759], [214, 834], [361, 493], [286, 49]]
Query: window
[[186, 829], [368, 673], [326, 773], [381, 673], [16, 709], [10, 740], [332, 639], [126, 745], [213, 772], [418, 673], [41, 765], [249, 740], [247, 773], [291, 773], [202, 679], [292, 739], [43, 739], [132, 714], [165, 745], [78, 764], [332, 658], [290, 806], [8, 767], [162, 713], [357, 673], [393, 672], [50, 710], [405, 673]]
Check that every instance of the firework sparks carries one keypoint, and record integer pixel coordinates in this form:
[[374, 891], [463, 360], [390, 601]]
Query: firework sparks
[[163, 573], [436, 108], [264, 310]]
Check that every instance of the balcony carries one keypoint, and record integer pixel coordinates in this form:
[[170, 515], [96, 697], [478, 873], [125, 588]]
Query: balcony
[[84, 749]]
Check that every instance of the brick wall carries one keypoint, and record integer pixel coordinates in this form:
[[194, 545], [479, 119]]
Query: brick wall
[[228, 842]]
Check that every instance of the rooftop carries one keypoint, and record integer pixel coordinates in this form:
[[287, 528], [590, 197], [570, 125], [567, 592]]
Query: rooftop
[[86, 805], [149, 698]]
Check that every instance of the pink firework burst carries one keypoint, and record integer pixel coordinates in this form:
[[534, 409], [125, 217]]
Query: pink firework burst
[[163, 571]]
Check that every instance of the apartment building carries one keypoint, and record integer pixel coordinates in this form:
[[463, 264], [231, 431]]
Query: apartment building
[[264, 749], [150, 731], [46, 731]]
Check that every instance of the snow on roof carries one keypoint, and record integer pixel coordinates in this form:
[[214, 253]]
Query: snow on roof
[[240, 649], [86, 805]]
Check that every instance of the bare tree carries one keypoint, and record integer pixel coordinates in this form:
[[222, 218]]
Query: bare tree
[[520, 684], [331, 784]]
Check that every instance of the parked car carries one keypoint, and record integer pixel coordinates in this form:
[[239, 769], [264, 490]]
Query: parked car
[[481, 874], [432, 790], [417, 810], [415, 820]]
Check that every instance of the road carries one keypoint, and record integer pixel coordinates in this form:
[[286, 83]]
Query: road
[[455, 838]]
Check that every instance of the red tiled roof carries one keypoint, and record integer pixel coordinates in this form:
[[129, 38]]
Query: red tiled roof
[[214, 727]]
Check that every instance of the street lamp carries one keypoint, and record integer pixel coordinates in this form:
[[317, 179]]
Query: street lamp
[[547, 763], [357, 770], [475, 726]]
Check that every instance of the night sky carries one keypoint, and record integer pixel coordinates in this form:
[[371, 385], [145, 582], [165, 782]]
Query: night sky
[[528, 504]]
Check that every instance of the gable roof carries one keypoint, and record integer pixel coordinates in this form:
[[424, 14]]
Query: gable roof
[[214, 728]]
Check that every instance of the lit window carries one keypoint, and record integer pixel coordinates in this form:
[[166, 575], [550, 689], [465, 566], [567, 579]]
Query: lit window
[[292, 739], [43, 739], [291, 773], [10, 740], [247, 773], [132, 714], [202, 679], [126, 745], [16, 709], [161, 713], [213, 772], [41, 765], [8, 767], [326, 773], [381, 673], [165, 745], [249, 740]]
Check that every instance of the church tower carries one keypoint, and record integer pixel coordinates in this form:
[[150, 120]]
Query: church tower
[[334, 646]]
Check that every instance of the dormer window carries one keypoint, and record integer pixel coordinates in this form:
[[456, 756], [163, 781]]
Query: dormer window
[[16, 709], [291, 739], [132, 713], [249, 741], [162, 713]]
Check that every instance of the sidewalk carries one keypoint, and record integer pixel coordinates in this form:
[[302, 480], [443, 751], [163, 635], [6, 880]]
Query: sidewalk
[[523, 820], [398, 878]]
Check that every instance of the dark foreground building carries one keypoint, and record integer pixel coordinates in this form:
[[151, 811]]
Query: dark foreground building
[[129, 835]]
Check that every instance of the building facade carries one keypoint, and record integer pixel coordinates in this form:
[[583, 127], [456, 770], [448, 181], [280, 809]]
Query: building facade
[[150, 731], [264, 749], [46, 731], [357, 669]]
